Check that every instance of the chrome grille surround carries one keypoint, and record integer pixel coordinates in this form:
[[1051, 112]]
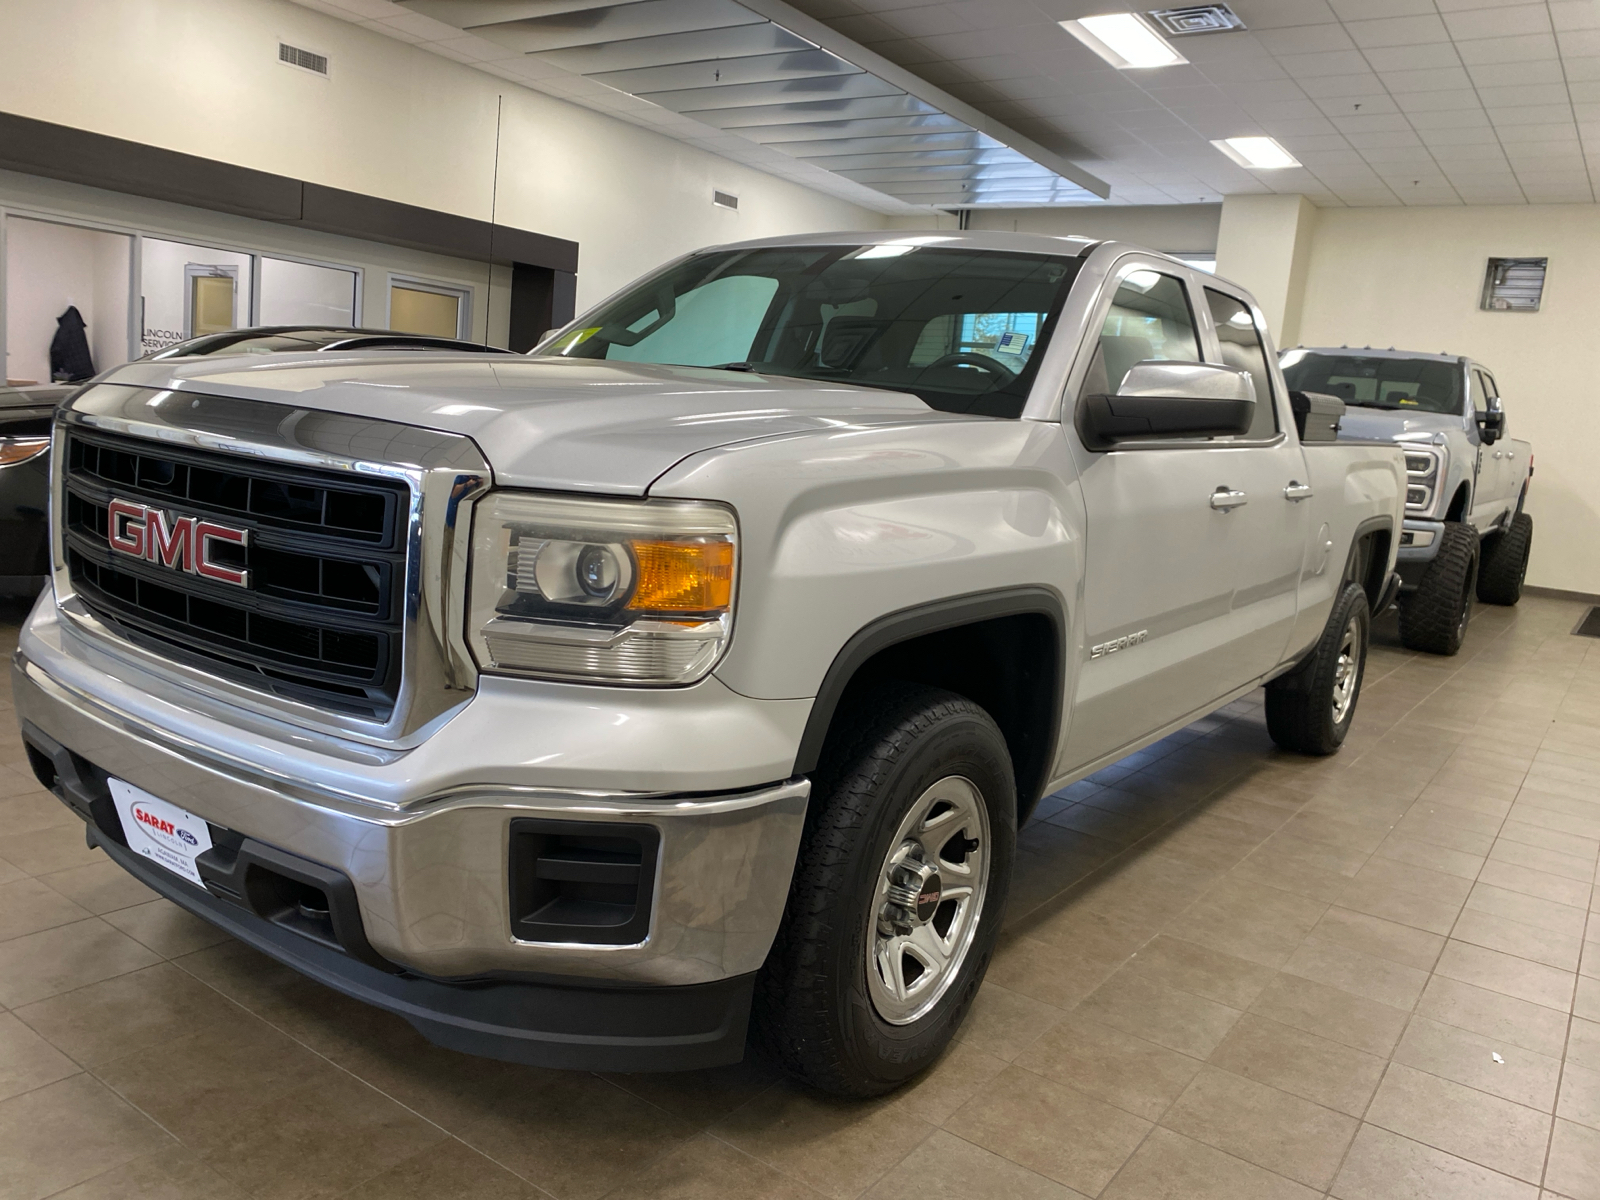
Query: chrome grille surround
[[441, 473]]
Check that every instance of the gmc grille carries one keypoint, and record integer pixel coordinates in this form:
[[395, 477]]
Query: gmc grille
[[321, 620]]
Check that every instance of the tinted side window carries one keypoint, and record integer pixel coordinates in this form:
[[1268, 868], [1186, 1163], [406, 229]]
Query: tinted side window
[[1242, 350], [1149, 320], [1480, 398]]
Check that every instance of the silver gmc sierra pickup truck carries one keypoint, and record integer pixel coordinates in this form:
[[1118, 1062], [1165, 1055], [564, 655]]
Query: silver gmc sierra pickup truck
[[1465, 533], [696, 671]]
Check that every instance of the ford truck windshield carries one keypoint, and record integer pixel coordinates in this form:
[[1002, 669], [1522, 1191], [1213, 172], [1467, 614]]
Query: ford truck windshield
[[1373, 381], [962, 329]]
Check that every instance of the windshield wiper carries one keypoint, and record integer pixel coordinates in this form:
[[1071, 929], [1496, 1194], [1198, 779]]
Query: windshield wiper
[[1369, 404], [733, 366]]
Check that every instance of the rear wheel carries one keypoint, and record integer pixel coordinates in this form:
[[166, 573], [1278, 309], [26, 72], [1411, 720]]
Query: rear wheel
[[1434, 617], [1310, 709], [897, 895], [1505, 562]]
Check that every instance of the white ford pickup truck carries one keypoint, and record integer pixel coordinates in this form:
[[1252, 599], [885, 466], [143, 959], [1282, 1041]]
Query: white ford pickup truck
[[695, 672]]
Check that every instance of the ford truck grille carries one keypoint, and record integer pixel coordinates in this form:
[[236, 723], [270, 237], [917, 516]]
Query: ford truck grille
[[319, 616]]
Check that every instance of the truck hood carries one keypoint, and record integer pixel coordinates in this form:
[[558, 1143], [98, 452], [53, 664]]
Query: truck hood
[[563, 424], [1380, 425]]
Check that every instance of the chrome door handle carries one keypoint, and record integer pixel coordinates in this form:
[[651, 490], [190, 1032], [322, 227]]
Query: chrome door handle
[[1297, 491], [1225, 499]]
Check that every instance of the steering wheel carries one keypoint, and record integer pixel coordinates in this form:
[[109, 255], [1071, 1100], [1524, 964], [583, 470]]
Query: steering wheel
[[1002, 373]]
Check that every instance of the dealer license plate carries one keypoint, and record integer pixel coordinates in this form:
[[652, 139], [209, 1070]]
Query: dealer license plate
[[162, 832]]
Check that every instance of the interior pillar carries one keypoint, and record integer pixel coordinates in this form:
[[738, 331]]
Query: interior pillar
[[1264, 243]]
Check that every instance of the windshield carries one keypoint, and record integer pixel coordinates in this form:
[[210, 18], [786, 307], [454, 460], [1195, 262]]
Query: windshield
[[962, 329], [1368, 381]]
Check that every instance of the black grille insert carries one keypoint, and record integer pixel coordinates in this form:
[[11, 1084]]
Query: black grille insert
[[320, 619]]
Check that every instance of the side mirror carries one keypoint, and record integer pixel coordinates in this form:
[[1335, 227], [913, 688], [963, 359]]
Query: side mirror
[[1492, 425], [1171, 399]]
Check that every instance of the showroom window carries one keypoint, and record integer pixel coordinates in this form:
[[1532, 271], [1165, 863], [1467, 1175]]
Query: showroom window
[[188, 291], [302, 293], [418, 306], [52, 268]]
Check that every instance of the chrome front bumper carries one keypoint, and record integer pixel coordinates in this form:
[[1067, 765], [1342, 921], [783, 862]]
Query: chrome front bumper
[[430, 869]]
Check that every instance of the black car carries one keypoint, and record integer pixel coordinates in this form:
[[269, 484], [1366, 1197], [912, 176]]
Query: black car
[[25, 415], [297, 339]]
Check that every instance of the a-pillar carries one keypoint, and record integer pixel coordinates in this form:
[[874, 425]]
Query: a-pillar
[[1264, 243]]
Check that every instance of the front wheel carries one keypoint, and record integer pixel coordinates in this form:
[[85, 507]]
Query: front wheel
[[1434, 617], [1310, 709], [898, 893]]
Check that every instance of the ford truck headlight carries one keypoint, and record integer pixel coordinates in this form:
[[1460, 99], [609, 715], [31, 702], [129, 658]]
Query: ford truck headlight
[[1423, 473], [601, 591]]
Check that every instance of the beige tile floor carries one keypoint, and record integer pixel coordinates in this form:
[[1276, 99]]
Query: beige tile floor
[[1229, 973]]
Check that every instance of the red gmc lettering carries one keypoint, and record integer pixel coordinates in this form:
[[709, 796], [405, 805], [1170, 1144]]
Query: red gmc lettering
[[183, 543]]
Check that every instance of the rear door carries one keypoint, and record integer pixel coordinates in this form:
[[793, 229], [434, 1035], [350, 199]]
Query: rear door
[[1186, 595]]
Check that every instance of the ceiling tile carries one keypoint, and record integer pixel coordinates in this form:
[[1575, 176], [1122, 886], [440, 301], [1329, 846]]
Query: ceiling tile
[[1458, 100], [1305, 39], [1430, 56], [1398, 31], [1460, 118], [1437, 80], [1534, 93], [1307, 66], [1273, 14], [1497, 22], [1574, 14], [1531, 47], [1512, 73], [1357, 10]]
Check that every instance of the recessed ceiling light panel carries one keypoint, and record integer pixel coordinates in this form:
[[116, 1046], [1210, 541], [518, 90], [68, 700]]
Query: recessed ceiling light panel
[[1195, 18], [1125, 40], [1257, 153]]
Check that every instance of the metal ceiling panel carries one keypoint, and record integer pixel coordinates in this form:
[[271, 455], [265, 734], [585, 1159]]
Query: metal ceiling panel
[[643, 18], [742, 95], [807, 111], [831, 130], [782, 82], [730, 42], [965, 140], [464, 14], [717, 72]]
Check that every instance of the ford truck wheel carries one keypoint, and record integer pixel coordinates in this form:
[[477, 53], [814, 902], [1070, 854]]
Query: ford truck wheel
[[1434, 617], [1310, 709], [1505, 562], [897, 895]]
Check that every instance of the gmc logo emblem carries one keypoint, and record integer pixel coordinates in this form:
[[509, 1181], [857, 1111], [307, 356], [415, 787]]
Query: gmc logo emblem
[[184, 543]]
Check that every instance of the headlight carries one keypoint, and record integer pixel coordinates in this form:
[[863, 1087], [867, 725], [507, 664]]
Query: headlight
[[603, 591], [21, 449], [1419, 464]]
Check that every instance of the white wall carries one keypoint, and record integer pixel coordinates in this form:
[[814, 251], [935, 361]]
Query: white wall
[[1411, 277], [1264, 243], [48, 268], [202, 76]]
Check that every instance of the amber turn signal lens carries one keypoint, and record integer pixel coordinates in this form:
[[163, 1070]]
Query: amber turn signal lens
[[15, 450], [684, 576]]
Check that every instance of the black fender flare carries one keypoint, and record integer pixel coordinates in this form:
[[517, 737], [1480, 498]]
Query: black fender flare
[[935, 617]]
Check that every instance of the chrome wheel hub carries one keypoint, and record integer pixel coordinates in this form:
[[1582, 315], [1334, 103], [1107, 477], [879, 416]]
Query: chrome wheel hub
[[1346, 671], [928, 900]]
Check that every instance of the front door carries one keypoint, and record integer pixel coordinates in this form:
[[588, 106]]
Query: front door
[[1193, 549]]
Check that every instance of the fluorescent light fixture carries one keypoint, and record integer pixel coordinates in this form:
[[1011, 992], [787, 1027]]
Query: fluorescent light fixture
[[1256, 153], [1124, 40]]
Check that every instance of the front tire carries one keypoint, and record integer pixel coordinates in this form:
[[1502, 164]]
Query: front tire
[[1434, 618], [1310, 709], [1505, 562], [898, 893]]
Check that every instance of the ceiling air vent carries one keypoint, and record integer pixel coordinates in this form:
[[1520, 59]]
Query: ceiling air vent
[[1195, 18], [306, 60], [725, 200], [1513, 284]]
